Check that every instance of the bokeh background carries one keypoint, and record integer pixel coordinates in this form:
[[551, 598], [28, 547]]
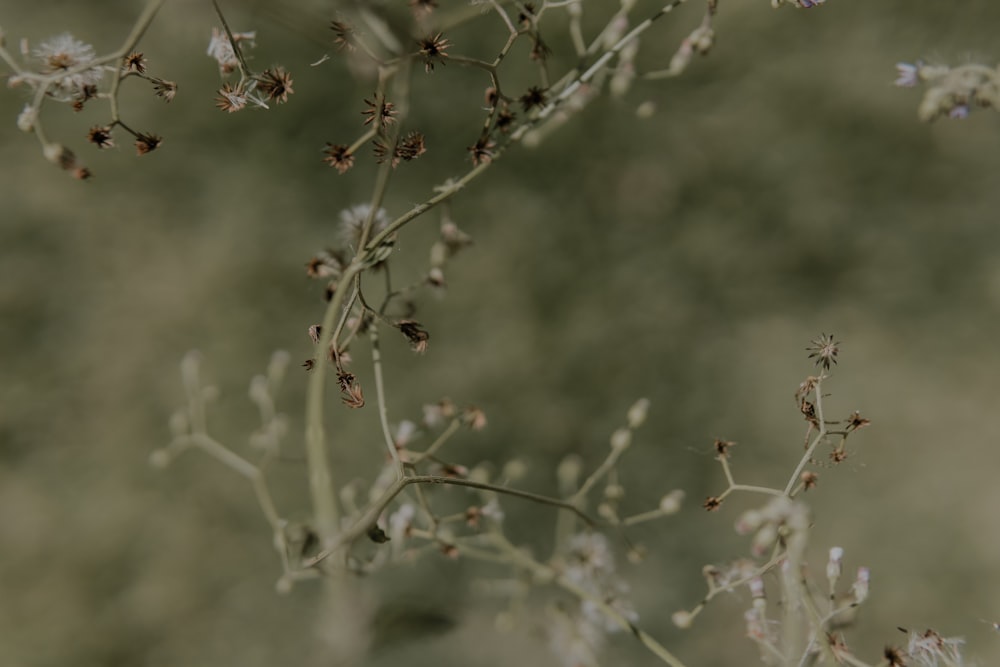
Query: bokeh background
[[782, 188]]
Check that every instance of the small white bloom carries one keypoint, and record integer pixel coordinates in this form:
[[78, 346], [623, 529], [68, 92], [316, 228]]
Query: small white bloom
[[65, 53], [907, 75], [220, 48]]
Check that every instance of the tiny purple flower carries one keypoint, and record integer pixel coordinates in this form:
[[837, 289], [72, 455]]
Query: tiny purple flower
[[907, 75], [959, 111], [808, 4]]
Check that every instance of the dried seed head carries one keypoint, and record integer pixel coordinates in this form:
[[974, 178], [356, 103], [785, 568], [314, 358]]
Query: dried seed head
[[809, 480], [165, 90], [344, 35], [712, 503], [339, 157], [135, 62], [379, 111], [722, 448], [856, 421], [434, 50], [231, 98], [350, 390], [147, 143], [100, 136], [482, 151], [276, 84], [414, 333], [824, 350], [534, 97]]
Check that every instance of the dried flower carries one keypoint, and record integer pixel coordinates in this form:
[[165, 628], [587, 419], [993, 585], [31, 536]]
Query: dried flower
[[504, 121], [474, 418], [722, 448], [482, 151], [276, 84], [894, 657], [712, 503], [231, 98], [534, 97], [165, 90], [63, 53], [326, 264], [411, 147], [434, 50], [101, 136], [135, 62], [824, 350], [352, 395], [344, 35], [809, 480], [380, 111], [147, 143], [339, 157], [416, 334], [856, 421]]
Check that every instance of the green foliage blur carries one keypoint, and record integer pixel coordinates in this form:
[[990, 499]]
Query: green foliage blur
[[782, 188]]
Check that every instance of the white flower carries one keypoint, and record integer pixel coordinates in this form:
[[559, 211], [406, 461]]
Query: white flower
[[352, 220], [907, 75], [65, 53], [220, 48]]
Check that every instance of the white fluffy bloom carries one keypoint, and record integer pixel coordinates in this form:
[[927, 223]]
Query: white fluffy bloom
[[64, 54], [220, 48]]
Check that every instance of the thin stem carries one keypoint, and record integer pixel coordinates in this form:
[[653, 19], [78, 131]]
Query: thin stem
[[375, 508], [383, 412], [244, 68], [820, 435], [437, 444]]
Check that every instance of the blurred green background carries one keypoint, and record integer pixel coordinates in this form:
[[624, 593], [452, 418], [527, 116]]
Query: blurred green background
[[782, 188]]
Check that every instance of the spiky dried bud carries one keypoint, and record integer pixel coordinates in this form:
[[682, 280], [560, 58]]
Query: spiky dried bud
[[712, 503], [379, 111], [722, 448], [344, 35], [414, 333], [339, 157], [824, 350], [231, 98], [100, 136], [276, 84], [165, 90], [482, 151], [856, 421], [534, 97], [809, 480], [350, 390], [434, 50], [147, 143], [135, 62]]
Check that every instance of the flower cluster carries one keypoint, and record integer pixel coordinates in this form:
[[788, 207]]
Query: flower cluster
[[951, 91]]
